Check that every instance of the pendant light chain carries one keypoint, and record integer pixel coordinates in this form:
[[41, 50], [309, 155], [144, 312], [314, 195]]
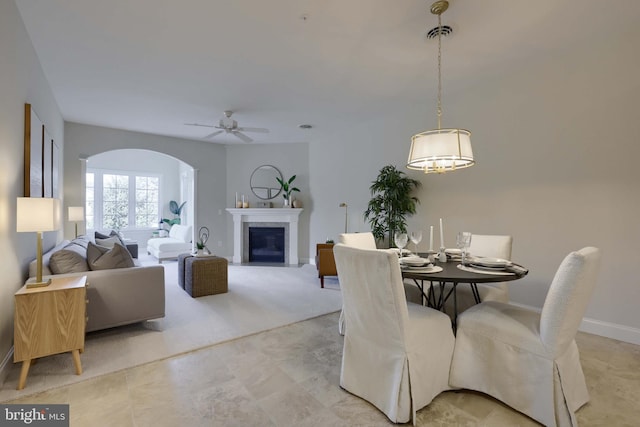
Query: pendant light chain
[[439, 71]]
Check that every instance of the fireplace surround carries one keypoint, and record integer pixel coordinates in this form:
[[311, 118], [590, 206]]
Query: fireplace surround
[[286, 218]]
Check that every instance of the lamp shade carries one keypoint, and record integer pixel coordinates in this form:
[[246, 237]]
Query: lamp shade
[[441, 150], [76, 213], [37, 214]]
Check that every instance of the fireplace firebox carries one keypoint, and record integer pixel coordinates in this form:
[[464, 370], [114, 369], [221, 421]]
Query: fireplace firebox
[[267, 244]]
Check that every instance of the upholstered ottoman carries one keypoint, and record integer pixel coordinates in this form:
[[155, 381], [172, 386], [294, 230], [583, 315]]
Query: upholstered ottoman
[[200, 276]]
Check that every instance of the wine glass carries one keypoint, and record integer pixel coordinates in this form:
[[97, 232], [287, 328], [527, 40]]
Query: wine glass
[[463, 240], [400, 240], [416, 237]]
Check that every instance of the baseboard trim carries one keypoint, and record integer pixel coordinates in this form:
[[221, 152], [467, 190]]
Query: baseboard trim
[[6, 365], [602, 328]]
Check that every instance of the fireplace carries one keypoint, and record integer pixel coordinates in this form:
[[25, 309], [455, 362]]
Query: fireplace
[[266, 244], [246, 218]]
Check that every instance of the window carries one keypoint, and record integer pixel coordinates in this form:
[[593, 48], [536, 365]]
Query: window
[[122, 200], [146, 201], [89, 194]]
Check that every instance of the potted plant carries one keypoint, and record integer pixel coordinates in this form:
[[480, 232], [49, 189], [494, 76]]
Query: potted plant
[[201, 243], [391, 202], [176, 210], [287, 189]]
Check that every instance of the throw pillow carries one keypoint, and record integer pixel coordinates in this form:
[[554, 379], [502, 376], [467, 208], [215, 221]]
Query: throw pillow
[[113, 233], [108, 242], [67, 261], [101, 258]]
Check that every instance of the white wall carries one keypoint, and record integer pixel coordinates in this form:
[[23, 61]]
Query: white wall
[[21, 81], [83, 141]]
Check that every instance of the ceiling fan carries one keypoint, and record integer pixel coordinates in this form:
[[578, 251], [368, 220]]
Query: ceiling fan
[[228, 125]]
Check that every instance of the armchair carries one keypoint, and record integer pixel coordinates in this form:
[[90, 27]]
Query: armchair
[[325, 262]]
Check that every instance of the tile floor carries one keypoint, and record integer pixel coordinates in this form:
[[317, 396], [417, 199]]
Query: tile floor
[[289, 376]]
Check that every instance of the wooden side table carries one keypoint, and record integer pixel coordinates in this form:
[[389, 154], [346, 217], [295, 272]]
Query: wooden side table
[[50, 320]]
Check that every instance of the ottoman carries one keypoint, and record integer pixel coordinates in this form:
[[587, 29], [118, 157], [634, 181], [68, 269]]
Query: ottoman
[[200, 276]]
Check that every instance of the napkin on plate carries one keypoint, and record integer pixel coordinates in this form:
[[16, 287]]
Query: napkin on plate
[[516, 269]]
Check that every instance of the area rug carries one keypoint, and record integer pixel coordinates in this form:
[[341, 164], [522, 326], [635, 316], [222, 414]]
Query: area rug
[[259, 298]]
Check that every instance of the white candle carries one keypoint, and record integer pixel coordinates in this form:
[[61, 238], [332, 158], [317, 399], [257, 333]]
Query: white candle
[[243, 204], [236, 198], [431, 239], [441, 234]]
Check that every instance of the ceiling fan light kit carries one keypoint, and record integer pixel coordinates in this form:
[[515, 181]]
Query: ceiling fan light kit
[[440, 150], [229, 125]]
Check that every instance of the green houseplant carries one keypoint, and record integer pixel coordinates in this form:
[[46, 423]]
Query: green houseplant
[[391, 202], [176, 210], [287, 189]]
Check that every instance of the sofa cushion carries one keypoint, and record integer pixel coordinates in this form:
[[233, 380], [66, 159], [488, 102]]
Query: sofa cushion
[[101, 258], [108, 242], [181, 232], [67, 261]]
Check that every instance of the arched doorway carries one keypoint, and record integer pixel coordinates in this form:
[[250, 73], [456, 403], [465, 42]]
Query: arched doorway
[[130, 190]]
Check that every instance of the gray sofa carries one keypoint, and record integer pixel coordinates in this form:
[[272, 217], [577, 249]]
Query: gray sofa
[[118, 296]]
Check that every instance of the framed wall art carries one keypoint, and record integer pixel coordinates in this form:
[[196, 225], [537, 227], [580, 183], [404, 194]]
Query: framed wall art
[[33, 154]]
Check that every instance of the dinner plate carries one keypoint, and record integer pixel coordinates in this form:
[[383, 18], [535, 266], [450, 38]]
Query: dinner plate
[[490, 262], [414, 261], [422, 269], [453, 251]]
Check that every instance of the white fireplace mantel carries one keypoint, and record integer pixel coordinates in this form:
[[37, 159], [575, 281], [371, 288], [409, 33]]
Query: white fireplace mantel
[[258, 215]]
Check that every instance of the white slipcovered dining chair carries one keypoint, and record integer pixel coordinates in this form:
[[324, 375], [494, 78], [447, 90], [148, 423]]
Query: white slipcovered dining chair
[[526, 359], [360, 241], [396, 354], [483, 245]]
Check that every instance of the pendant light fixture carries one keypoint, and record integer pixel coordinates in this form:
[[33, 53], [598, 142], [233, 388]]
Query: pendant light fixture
[[440, 150]]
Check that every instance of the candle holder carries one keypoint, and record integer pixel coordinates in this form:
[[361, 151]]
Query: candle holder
[[442, 256]]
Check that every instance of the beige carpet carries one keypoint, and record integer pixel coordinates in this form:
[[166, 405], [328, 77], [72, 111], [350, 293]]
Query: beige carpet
[[259, 299]]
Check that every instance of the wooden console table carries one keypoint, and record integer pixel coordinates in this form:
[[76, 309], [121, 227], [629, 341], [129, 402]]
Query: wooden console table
[[50, 320]]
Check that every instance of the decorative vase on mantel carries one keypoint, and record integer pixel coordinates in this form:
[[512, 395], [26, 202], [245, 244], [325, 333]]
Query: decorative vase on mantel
[[286, 203]]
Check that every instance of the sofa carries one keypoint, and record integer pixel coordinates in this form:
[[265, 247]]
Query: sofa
[[178, 242], [117, 296]]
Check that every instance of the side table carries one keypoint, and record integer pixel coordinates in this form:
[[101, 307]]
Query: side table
[[50, 320]]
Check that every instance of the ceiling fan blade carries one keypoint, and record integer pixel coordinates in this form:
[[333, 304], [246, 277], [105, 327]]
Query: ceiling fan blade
[[258, 130], [198, 124], [243, 137], [211, 135]]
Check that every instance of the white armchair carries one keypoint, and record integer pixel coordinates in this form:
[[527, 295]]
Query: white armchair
[[178, 242], [526, 359], [396, 354]]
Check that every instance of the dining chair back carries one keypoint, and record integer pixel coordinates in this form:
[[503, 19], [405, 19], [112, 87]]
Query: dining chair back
[[354, 240], [494, 246], [358, 240], [396, 354], [526, 359], [483, 245], [567, 299]]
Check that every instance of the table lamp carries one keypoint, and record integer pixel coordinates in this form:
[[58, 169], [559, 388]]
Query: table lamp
[[37, 214], [76, 214]]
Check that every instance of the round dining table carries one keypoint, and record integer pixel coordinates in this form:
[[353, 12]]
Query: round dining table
[[451, 274]]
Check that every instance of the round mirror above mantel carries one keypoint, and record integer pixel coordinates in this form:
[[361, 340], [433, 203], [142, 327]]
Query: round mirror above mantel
[[263, 182]]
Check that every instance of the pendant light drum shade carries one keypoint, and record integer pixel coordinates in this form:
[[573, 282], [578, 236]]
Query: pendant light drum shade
[[441, 150]]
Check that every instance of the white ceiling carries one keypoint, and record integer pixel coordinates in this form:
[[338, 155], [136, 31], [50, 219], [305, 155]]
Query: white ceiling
[[153, 65]]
